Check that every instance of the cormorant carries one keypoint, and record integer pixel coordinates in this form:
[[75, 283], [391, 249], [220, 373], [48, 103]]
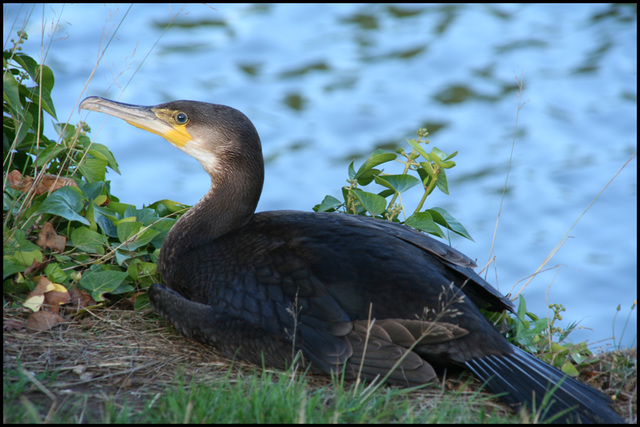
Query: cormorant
[[263, 286]]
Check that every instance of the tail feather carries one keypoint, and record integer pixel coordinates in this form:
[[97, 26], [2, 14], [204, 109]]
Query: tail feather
[[524, 380]]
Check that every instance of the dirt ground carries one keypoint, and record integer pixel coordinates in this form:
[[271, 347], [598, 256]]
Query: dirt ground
[[131, 356], [123, 353]]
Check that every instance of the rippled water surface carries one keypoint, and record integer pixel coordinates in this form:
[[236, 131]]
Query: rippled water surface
[[327, 84]]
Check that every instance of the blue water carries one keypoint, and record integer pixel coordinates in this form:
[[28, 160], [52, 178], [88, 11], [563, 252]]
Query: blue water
[[327, 84]]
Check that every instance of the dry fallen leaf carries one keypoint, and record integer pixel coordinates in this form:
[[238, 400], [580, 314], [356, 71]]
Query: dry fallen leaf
[[48, 238], [45, 183], [43, 320], [53, 293], [80, 298], [34, 302], [53, 299], [34, 267], [35, 299]]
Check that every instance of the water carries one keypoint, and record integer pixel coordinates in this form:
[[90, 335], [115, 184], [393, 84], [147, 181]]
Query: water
[[326, 84]]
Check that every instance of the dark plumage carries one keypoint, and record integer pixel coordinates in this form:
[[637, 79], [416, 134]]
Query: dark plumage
[[263, 286]]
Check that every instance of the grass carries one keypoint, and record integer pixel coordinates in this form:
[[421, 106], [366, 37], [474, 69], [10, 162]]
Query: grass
[[129, 366]]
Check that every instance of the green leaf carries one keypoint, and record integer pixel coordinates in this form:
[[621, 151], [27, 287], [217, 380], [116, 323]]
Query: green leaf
[[451, 156], [88, 241], [366, 177], [65, 202], [352, 171], [139, 269], [570, 370], [11, 266], [93, 169], [145, 215], [443, 218], [45, 102], [398, 183], [123, 255], [442, 183], [44, 84], [11, 95], [373, 203], [378, 157], [64, 130], [142, 301], [127, 229], [162, 227], [91, 190], [26, 258], [124, 288], [119, 207], [101, 281], [329, 204], [49, 153], [55, 273], [18, 242], [167, 207], [134, 235], [105, 218], [441, 155], [100, 151], [416, 146], [521, 324], [28, 64], [423, 221]]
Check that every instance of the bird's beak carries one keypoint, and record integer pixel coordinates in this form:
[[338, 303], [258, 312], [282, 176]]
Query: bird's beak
[[151, 119]]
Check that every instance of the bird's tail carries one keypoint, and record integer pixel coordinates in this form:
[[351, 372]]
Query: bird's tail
[[522, 379]]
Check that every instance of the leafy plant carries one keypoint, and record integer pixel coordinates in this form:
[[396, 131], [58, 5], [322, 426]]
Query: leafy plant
[[60, 220], [426, 169], [542, 337]]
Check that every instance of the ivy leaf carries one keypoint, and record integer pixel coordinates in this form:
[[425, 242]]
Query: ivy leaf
[[105, 218], [443, 218], [398, 183], [91, 190], [88, 241], [442, 183], [352, 171], [166, 207], [134, 235], [11, 95], [139, 269], [416, 146], [100, 151], [328, 204], [65, 202], [99, 282], [93, 169], [424, 221], [373, 203], [50, 152], [569, 369], [26, 258], [378, 157]]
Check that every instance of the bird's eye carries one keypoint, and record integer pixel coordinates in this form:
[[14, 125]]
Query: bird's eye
[[182, 118]]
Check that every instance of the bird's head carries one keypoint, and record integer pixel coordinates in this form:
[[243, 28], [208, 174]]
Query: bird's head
[[219, 137]]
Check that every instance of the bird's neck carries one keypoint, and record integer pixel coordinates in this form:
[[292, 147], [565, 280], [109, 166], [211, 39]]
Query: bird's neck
[[229, 204]]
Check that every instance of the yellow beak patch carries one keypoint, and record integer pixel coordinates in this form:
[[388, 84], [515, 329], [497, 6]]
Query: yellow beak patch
[[173, 132]]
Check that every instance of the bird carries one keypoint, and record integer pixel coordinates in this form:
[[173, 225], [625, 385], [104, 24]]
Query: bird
[[346, 294]]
